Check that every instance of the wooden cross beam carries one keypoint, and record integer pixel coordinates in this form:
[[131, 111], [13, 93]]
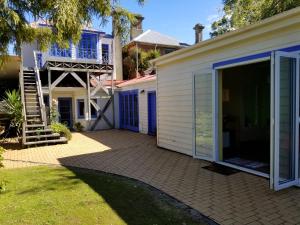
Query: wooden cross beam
[[102, 114], [99, 86]]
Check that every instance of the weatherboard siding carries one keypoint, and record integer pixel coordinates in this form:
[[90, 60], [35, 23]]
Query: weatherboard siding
[[175, 78]]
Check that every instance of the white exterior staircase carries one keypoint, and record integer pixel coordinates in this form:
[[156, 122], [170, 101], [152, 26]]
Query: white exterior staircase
[[35, 130]]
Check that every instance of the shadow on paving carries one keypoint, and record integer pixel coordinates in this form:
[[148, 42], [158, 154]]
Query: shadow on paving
[[145, 204]]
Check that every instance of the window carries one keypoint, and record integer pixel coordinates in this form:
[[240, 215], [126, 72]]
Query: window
[[60, 52], [105, 53], [93, 112], [80, 108], [87, 47]]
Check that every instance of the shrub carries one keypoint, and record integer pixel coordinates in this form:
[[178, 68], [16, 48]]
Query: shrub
[[62, 129], [78, 126], [13, 107]]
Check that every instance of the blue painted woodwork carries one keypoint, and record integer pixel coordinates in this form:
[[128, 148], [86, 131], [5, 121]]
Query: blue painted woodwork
[[39, 58], [65, 111], [255, 56], [129, 110], [87, 47], [80, 108], [152, 113], [60, 52], [105, 53], [93, 112]]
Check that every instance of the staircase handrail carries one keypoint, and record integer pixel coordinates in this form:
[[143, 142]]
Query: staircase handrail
[[21, 81], [39, 89]]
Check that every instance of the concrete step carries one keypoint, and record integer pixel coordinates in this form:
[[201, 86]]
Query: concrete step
[[61, 140]]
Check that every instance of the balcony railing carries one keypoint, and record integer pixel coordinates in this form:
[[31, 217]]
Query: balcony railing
[[87, 53]]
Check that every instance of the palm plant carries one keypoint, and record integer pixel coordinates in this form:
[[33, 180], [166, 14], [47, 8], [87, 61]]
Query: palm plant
[[13, 108]]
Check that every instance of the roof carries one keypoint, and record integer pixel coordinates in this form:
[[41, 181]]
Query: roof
[[267, 25], [154, 37], [138, 80]]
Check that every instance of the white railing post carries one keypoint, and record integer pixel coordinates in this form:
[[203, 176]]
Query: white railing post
[[21, 81], [39, 90]]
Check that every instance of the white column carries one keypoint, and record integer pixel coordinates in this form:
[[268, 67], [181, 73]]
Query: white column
[[88, 97]]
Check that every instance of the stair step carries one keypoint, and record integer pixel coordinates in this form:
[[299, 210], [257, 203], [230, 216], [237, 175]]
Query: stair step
[[34, 125], [61, 140], [34, 115], [43, 136], [30, 91], [38, 131]]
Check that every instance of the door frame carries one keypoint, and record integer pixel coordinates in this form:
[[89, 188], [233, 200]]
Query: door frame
[[149, 114], [70, 99], [217, 72]]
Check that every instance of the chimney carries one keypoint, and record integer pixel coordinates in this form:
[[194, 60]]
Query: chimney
[[136, 28], [198, 32]]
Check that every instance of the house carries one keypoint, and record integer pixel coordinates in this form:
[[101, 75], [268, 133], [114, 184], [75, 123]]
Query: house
[[234, 99], [138, 95], [149, 40], [78, 82], [137, 105]]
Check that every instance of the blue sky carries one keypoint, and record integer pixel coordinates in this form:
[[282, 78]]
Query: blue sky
[[175, 18]]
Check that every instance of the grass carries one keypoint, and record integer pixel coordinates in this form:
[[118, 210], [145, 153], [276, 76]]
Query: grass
[[57, 195]]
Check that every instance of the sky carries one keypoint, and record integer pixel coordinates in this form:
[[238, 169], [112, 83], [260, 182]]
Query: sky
[[175, 18]]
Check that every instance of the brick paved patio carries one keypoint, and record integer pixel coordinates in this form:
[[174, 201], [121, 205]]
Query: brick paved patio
[[236, 199]]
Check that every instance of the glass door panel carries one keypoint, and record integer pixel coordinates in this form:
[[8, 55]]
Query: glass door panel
[[286, 113]]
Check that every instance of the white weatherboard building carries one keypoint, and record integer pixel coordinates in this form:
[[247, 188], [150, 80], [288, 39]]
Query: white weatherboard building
[[234, 99], [137, 105]]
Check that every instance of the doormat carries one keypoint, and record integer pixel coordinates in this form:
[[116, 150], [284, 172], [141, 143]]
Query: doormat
[[224, 170], [246, 163]]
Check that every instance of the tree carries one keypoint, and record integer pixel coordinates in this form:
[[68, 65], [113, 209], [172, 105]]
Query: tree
[[66, 17], [239, 13], [130, 60]]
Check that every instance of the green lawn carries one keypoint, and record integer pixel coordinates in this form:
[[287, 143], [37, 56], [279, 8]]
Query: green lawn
[[56, 195]]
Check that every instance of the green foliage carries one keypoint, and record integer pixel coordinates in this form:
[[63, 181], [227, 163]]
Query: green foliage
[[13, 107], [130, 60], [53, 112], [61, 129], [3, 186], [239, 13], [66, 17], [78, 127]]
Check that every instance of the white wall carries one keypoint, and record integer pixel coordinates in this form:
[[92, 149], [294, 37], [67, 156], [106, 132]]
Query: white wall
[[143, 102], [175, 80]]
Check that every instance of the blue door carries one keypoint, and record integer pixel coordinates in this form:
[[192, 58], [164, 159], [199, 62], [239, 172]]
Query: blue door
[[152, 113], [65, 111], [129, 110]]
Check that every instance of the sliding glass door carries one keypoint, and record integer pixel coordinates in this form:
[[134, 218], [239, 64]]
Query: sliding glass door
[[285, 121]]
